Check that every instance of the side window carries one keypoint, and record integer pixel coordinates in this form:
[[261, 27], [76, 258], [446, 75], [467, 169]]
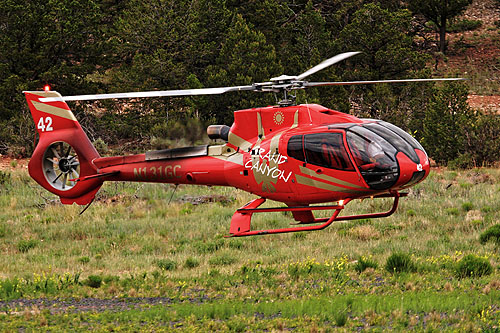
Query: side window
[[327, 149], [295, 147]]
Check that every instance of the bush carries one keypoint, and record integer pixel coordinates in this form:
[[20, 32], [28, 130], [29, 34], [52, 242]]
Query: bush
[[222, 260], [340, 318], [24, 246], [447, 122], [399, 262], [462, 162], [4, 178], [467, 206], [101, 146], [191, 262], [464, 25], [484, 140], [452, 211], [473, 266], [364, 263], [84, 260], [491, 234], [209, 247], [166, 264], [3, 230], [93, 281]]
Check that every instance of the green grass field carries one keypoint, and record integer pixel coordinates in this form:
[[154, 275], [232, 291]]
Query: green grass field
[[134, 262]]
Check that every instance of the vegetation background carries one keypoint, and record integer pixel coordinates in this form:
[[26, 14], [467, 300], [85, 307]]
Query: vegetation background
[[90, 46], [134, 261]]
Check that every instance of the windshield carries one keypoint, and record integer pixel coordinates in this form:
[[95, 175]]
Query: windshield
[[374, 156]]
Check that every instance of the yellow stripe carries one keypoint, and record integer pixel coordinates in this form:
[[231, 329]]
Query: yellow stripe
[[45, 93], [63, 113], [324, 186], [235, 158], [238, 142], [312, 173]]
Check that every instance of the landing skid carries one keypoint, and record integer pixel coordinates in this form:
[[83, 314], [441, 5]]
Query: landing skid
[[240, 223]]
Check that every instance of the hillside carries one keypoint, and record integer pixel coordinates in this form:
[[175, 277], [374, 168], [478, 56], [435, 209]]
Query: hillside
[[476, 55]]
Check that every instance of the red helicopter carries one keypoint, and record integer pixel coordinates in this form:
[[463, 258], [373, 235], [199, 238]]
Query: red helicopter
[[295, 154]]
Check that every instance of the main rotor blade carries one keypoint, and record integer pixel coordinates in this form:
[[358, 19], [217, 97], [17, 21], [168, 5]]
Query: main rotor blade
[[317, 84], [326, 63], [160, 93]]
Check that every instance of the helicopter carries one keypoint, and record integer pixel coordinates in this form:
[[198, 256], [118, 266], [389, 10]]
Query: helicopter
[[300, 155]]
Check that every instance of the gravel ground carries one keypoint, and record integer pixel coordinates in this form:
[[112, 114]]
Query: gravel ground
[[74, 305]]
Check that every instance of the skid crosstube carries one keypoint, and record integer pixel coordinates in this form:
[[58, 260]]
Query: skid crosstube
[[241, 221]]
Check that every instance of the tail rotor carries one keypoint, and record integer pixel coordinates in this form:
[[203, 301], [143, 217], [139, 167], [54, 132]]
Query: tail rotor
[[61, 166]]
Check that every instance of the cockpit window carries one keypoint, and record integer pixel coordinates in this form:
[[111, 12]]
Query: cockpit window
[[327, 150], [295, 147], [323, 149], [374, 156]]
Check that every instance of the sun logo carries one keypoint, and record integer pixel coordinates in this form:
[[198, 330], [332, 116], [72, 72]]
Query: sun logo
[[279, 117]]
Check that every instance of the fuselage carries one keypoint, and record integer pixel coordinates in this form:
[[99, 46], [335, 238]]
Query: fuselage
[[299, 154]]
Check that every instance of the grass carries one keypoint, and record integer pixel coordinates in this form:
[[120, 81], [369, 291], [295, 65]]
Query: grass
[[132, 243]]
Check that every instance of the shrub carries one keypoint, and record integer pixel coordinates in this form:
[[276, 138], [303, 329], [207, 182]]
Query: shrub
[[467, 206], [84, 260], [93, 281], [111, 278], [101, 146], [3, 230], [166, 264], [208, 247], [4, 177], [462, 162], [484, 140], [447, 122], [222, 260], [340, 318], [473, 266], [411, 212], [464, 25], [492, 233], [191, 262], [399, 262], [299, 235], [364, 263], [25, 245], [453, 211]]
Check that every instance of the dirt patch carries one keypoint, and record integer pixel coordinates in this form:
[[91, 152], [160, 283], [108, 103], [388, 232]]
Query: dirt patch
[[9, 163], [73, 305], [203, 199], [485, 103], [485, 10]]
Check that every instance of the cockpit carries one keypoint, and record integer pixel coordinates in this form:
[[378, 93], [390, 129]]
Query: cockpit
[[373, 147]]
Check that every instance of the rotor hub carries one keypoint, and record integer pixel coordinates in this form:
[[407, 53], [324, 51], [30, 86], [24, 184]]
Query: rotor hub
[[64, 165]]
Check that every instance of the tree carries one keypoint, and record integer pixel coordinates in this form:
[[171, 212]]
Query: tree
[[245, 58], [448, 124], [386, 41], [439, 12], [57, 42], [308, 42]]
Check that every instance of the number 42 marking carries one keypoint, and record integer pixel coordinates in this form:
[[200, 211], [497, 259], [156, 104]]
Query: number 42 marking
[[45, 124]]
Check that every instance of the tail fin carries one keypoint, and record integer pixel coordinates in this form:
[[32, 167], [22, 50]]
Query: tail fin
[[64, 153]]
